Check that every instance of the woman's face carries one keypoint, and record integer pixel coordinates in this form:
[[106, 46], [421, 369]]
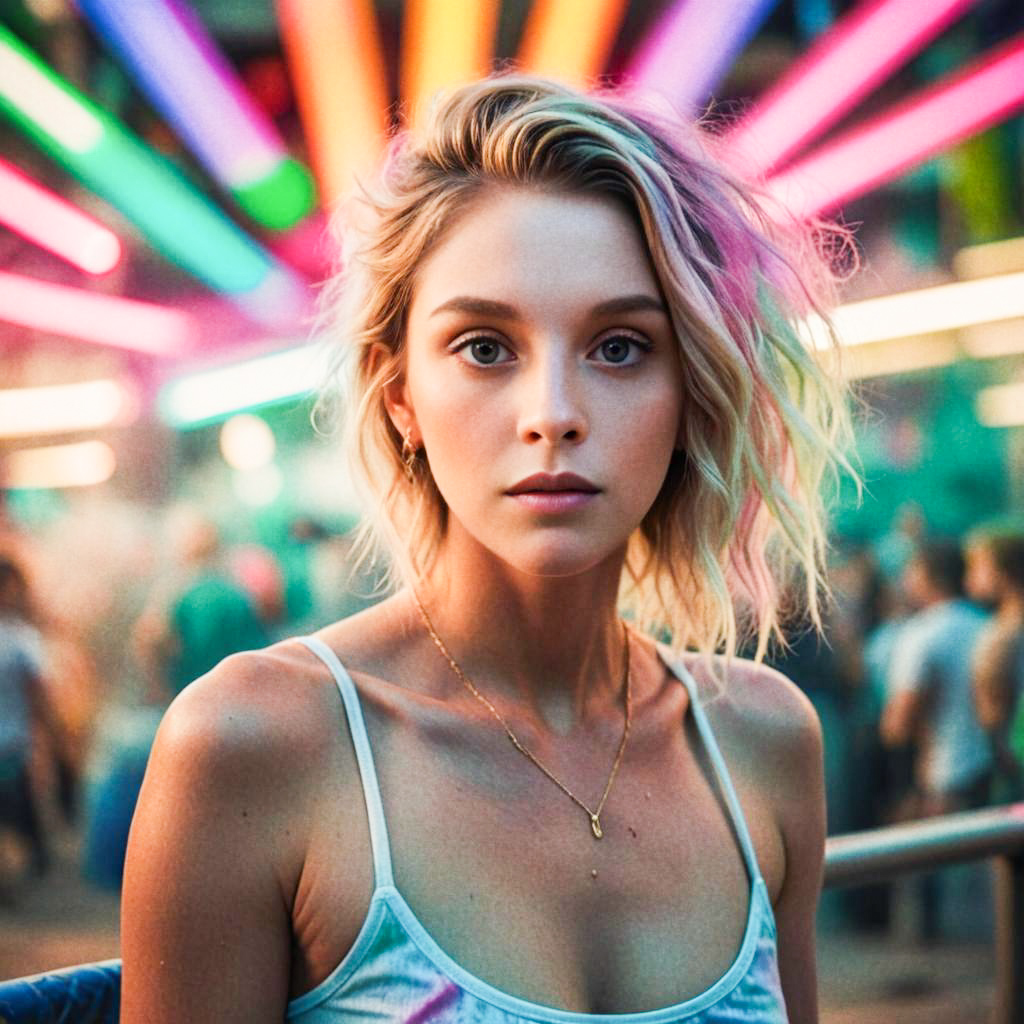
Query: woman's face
[[538, 343]]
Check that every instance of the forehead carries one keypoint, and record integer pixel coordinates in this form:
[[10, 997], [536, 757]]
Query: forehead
[[530, 247]]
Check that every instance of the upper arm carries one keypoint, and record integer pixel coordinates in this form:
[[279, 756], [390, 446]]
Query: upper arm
[[991, 677], [205, 909], [908, 684], [782, 750], [801, 814]]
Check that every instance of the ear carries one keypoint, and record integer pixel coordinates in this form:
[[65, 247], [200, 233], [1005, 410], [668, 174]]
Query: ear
[[395, 393]]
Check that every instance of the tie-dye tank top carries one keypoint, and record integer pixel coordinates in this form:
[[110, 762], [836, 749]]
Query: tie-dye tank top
[[396, 972]]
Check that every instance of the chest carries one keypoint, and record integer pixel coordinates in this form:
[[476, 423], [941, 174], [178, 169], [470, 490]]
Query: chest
[[501, 869]]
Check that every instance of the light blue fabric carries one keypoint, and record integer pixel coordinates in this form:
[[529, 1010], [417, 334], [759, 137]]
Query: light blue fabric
[[395, 971], [932, 658]]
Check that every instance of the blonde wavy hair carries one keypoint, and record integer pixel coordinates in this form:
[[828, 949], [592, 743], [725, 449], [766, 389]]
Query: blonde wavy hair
[[741, 514]]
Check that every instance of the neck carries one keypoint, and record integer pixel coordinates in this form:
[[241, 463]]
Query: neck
[[552, 647]]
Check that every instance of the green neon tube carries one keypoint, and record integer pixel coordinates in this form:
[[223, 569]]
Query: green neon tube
[[108, 159]]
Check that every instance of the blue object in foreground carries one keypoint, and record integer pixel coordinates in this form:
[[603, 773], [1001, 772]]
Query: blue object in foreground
[[84, 994]]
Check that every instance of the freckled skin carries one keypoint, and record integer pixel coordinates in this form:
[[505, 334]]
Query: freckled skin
[[553, 401]]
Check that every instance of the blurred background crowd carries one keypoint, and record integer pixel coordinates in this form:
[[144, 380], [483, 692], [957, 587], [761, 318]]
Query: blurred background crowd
[[166, 499]]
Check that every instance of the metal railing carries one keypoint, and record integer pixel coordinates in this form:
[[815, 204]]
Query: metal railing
[[996, 833]]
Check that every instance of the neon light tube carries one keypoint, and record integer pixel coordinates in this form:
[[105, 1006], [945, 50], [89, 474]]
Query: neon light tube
[[107, 158], [340, 81], [60, 465], [210, 395], [64, 408], [444, 42], [955, 108], [858, 53], [570, 39], [94, 317], [54, 224], [179, 67], [946, 307], [692, 46], [1001, 405]]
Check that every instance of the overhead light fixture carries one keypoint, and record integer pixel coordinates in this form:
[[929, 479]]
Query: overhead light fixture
[[170, 213], [247, 442], [183, 72], [570, 39], [860, 51], [1001, 405], [444, 43], [894, 141], [209, 395], [340, 80], [946, 307], [989, 258], [65, 408], [94, 317], [710, 33], [83, 464], [54, 224]]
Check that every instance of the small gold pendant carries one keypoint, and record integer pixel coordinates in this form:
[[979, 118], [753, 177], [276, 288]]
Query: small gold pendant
[[595, 825]]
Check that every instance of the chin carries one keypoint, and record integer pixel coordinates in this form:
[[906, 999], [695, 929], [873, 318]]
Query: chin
[[559, 556]]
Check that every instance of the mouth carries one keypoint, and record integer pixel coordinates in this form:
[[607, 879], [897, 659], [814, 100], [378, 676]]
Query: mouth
[[553, 484]]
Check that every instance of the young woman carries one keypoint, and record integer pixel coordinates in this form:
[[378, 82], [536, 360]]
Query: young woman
[[576, 386]]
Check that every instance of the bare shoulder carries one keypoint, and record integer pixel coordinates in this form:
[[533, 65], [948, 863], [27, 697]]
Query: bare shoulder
[[219, 838], [255, 709], [761, 710], [771, 738]]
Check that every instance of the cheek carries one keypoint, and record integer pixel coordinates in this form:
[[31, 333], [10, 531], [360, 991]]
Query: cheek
[[461, 432], [647, 428]]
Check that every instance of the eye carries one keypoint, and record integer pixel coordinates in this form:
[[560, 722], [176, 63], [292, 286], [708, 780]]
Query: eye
[[484, 350], [621, 349]]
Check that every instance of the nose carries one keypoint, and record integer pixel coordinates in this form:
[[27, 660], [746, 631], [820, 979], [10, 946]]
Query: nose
[[553, 408]]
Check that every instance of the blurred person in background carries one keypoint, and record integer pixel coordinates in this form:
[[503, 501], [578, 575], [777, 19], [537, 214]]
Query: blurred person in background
[[869, 618], [893, 772], [995, 578], [200, 617], [930, 702], [898, 545], [257, 570], [25, 713]]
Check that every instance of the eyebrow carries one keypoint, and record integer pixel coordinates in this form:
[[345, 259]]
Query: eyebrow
[[491, 307]]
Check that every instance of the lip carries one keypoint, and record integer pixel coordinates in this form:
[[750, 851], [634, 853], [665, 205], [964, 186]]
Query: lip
[[553, 484], [554, 502]]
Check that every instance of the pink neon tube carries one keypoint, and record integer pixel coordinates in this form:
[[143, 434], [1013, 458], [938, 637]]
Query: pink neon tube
[[691, 47], [962, 105], [44, 218], [89, 316], [858, 53]]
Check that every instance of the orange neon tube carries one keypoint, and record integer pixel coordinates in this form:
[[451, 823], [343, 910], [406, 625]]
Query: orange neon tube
[[337, 68], [570, 39], [444, 42]]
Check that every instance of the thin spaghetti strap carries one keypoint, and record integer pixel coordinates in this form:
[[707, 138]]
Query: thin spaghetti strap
[[367, 772], [717, 760]]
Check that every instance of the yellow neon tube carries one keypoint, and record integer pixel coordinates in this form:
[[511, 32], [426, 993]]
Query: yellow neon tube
[[570, 39]]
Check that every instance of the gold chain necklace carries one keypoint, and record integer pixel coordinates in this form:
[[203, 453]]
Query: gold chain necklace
[[595, 816]]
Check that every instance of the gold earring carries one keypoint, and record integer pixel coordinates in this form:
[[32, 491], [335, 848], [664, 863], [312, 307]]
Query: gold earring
[[409, 454]]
